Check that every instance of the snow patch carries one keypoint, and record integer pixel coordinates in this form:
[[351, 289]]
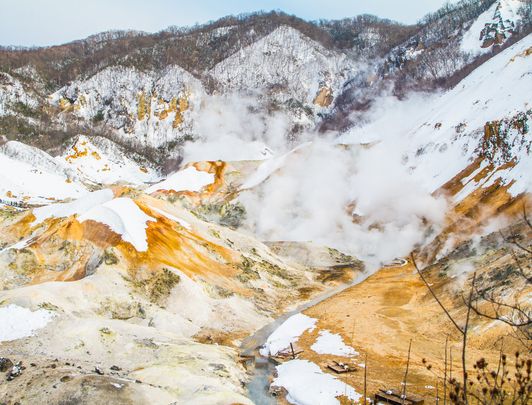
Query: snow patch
[[19, 245], [77, 207], [308, 385], [289, 332], [189, 179], [124, 217], [332, 343], [18, 322]]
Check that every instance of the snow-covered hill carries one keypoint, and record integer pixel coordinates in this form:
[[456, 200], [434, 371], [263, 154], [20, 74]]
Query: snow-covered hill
[[31, 176], [13, 94], [494, 26], [150, 107], [98, 160], [442, 134], [288, 65]]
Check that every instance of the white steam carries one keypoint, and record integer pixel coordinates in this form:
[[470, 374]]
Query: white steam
[[360, 199], [232, 128], [308, 199]]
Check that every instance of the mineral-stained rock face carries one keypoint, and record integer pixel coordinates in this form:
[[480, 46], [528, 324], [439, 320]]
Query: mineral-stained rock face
[[131, 102], [324, 97], [144, 285]]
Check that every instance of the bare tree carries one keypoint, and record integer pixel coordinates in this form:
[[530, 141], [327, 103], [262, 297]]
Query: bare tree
[[485, 303], [515, 314], [462, 329]]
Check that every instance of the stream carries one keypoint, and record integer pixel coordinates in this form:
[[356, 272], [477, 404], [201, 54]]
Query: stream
[[262, 369]]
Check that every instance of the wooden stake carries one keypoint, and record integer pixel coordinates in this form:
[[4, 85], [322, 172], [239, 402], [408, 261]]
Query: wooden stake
[[403, 395], [445, 373], [451, 363], [293, 353], [365, 376]]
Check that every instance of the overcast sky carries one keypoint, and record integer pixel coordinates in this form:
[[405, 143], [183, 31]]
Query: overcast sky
[[50, 22]]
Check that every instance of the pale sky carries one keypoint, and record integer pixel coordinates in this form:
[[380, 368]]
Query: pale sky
[[50, 22]]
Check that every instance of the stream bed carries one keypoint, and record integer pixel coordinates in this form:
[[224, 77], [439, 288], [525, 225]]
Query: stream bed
[[262, 369]]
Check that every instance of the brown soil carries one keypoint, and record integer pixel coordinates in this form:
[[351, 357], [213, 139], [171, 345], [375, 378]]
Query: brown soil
[[380, 316]]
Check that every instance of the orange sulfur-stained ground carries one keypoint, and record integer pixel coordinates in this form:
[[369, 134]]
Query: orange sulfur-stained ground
[[380, 316]]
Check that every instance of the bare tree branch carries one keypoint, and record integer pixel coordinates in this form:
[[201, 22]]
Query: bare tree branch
[[434, 295], [466, 327]]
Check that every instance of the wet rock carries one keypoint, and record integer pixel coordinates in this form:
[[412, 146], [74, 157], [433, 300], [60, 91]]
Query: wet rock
[[278, 392], [5, 364], [15, 371]]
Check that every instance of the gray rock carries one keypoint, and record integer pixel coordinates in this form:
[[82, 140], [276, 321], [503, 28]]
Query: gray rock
[[5, 364]]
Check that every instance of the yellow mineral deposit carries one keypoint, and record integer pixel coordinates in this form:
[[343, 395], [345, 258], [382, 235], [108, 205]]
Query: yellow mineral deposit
[[77, 153], [324, 98], [65, 105], [141, 106]]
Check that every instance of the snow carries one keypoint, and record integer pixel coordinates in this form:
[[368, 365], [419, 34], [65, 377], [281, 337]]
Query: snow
[[180, 221], [99, 160], [189, 179], [285, 56], [41, 177], [19, 245], [121, 215], [497, 89], [77, 207], [124, 217], [308, 385], [288, 332], [332, 343], [18, 322], [268, 167], [33, 183], [502, 14], [36, 158]]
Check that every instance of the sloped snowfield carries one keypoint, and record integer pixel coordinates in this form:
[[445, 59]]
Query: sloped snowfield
[[438, 135], [19, 322]]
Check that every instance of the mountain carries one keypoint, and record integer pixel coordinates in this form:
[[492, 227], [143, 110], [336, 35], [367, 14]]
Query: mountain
[[146, 90], [170, 202]]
